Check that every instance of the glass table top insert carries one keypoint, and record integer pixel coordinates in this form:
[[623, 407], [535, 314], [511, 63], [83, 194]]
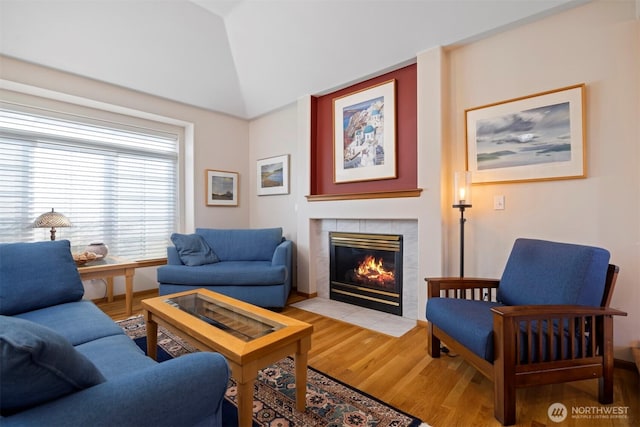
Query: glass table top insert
[[241, 324]]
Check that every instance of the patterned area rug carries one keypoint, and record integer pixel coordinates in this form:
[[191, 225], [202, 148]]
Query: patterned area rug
[[329, 401]]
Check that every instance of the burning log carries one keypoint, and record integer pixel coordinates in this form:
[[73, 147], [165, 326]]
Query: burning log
[[372, 272]]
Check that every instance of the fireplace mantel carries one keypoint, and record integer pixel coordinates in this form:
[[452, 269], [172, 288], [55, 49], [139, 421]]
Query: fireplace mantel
[[357, 196]]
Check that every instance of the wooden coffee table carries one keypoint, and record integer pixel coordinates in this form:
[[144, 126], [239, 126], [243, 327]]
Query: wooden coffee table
[[250, 337]]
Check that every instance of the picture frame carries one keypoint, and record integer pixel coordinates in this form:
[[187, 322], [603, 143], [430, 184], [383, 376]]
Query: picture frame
[[537, 137], [273, 175], [221, 188], [364, 129]]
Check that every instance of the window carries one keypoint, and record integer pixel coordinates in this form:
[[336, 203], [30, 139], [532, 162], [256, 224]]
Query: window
[[116, 183]]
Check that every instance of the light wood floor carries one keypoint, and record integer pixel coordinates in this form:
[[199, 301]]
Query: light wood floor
[[442, 392]]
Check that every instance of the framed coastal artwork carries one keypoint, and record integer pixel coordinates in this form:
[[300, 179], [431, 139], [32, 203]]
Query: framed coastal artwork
[[221, 188], [533, 138], [364, 128], [273, 175]]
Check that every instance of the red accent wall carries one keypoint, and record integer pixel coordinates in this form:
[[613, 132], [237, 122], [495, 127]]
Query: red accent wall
[[406, 138]]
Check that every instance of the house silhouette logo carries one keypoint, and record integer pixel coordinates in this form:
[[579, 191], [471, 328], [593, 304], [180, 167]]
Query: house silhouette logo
[[557, 412]]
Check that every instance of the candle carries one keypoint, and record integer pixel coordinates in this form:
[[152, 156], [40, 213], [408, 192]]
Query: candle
[[461, 190]]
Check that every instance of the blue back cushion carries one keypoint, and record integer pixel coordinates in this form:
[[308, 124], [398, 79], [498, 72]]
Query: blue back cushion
[[543, 272], [193, 249], [37, 275], [242, 244], [38, 365]]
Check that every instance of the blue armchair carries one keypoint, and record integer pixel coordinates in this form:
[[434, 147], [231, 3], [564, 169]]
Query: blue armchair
[[547, 320], [64, 362]]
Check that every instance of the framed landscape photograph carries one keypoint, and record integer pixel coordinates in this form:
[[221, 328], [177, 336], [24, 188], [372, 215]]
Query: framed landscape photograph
[[533, 138], [273, 175], [221, 188], [364, 127]]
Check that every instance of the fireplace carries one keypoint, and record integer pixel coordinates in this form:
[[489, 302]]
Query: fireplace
[[366, 270]]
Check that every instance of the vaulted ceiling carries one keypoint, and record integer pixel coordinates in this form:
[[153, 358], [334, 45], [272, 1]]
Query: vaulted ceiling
[[246, 57]]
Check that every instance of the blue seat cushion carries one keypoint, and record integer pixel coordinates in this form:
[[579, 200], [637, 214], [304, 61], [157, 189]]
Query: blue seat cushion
[[38, 365], [36, 275], [70, 321], [116, 355], [193, 249], [543, 272], [224, 273], [468, 322]]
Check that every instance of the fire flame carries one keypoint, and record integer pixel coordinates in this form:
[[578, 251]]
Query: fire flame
[[372, 270]]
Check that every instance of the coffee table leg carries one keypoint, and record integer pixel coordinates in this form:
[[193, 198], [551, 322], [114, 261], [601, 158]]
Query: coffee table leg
[[245, 403], [301, 359], [152, 336]]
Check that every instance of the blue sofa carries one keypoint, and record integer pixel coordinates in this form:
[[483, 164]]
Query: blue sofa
[[64, 362], [252, 265]]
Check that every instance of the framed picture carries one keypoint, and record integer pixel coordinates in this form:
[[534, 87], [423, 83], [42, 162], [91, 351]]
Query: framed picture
[[364, 127], [532, 138], [221, 188], [273, 175]]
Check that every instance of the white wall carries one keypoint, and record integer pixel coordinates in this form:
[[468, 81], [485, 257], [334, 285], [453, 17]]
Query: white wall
[[596, 44], [275, 135]]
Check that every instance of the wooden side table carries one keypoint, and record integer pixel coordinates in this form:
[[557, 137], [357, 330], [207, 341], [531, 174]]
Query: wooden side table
[[112, 266]]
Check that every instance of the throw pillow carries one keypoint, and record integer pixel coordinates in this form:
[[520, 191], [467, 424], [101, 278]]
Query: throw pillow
[[38, 365], [193, 249]]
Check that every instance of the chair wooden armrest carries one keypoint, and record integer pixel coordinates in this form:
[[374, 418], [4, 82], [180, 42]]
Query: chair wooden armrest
[[461, 287], [553, 311]]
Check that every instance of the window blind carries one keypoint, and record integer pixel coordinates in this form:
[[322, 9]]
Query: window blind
[[116, 183]]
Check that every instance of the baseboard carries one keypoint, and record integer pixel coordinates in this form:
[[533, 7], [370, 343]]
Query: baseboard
[[627, 364], [149, 293], [305, 295]]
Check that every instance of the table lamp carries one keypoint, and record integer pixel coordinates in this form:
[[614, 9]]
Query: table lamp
[[51, 219]]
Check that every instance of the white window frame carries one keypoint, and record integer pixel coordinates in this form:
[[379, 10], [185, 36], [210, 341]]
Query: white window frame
[[71, 104]]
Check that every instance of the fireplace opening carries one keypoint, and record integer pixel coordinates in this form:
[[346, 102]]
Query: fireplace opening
[[366, 270]]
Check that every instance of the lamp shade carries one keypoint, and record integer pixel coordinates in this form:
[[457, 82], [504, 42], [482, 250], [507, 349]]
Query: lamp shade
[[462, 189], [52, 219]]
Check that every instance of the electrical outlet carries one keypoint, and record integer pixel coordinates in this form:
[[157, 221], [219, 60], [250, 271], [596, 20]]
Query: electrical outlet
[[498, 203]]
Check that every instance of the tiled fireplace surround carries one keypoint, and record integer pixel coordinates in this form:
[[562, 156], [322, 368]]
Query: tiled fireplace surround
[[319, 241]]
